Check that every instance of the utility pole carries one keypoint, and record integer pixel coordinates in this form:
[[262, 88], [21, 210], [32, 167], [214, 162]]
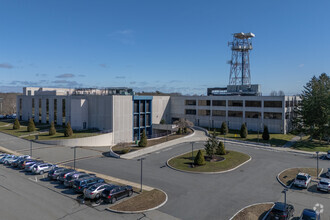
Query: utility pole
[[30, 148], [141, 159], [74, 157], [317, 164], [192, 154]]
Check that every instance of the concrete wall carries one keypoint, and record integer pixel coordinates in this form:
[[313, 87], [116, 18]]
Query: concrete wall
[[161, 109], [94, 141], [100, 110], [122, 118], [79, 113]]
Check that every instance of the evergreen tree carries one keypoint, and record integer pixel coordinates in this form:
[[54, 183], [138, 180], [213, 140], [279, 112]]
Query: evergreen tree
[[265, 134], [68, 130], [179, 131], [16, 125], [143, 140], [199, 159], [211, 145], [52, 129], [224, 128], [185, 130], [221, 149], [162, 122], [243, 131], [31, 126]]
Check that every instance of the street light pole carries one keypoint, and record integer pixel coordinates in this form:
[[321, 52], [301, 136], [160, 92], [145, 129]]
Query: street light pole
[[30, 148], [141, 159], [74, 157], [284, 191], [192, 153], [317, 164]]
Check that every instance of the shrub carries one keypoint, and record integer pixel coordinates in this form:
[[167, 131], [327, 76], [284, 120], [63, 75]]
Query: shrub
[[221, 149], [265, 134], [179, 131], [162, 122], [199, 159], [16, 125], [52, 129], [243, 131], [68, 130], [185, 130], [31, 127], [143, 140], [224, 128], [125, 151]]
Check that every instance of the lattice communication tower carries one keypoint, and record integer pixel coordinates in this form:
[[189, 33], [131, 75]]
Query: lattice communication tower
[[240, 61]]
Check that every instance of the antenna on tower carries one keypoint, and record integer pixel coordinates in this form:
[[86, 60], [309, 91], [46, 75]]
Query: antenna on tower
[[240, 59]]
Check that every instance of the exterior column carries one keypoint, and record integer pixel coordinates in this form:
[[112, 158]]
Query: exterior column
[[36, 109], [51, 110], [59, 116], [43, 111], [18, 107]]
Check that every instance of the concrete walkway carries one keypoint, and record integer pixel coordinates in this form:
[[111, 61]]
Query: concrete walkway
[[291, 142], [198, 135]]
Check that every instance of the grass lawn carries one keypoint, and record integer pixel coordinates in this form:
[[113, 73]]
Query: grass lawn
[[18, 132], [60, 135], [311, 145], [253, 212], [289, 175], [232, 159], [2, 123], [275, 139], [143, 201]]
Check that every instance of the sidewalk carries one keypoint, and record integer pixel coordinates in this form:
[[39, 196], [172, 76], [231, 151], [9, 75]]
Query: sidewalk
[[198, 135], [291, 142]]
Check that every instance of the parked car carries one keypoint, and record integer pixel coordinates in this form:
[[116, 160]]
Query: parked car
[[53, 174], [5, 158], [281, 211], [114, 193], [309, 214], [328, 154], [80, 184], [302, 180], [2, 116], [9, 160], [29, 167], [64, 174], [68, 182], [94, 191], [328, 173], [43, 168], [19, 159], [26, 162], [324, 185]]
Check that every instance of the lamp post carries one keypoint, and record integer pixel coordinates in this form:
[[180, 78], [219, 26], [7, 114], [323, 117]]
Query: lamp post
[[74, 157], [31, 148], [192, 154], [317, 164], [141, 159], [284, 191]]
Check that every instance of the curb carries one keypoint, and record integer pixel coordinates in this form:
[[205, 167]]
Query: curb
[[219, 172], [253, 205], [9, 151], [278, 175], [113, 154], [146, 210]]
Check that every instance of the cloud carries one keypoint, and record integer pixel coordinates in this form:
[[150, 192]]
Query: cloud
[[125, 36], [28, 83], [120, 77], [301, 65], [175, 81], [103, 65], [81, 75], [132, 83], [6, 65], [67, 83], [66, 75], [42, 75]]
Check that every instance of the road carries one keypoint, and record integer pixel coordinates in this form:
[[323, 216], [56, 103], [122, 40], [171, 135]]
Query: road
[[218, 196]]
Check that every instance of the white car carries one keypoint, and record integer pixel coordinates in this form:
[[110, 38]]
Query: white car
[[324, 185], [302, 180]]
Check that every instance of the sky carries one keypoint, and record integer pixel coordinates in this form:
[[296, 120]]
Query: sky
[[153, 45]]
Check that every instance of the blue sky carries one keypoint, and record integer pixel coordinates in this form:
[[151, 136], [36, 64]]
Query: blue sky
[[170, 46]]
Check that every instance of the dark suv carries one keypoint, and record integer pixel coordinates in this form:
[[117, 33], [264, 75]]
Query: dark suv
[[80, 184], [53, 174], [281, 211], [114, 193], [68, 182]]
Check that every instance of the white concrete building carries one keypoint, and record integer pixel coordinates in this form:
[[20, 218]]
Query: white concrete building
[[123, 114]]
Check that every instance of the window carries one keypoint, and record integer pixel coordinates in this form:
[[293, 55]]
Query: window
[[148, 106], [148, 119], [190, 102], [204, 102], [63, 111], [218, 113], [47, 111], [236, 103], [272, 115], [219, 102], [142, 106], [235, 114], [33, 108], [190, 112], [252, 103], [202, 112], [55, 111], [273, 104], [252, 115], [136, 106]]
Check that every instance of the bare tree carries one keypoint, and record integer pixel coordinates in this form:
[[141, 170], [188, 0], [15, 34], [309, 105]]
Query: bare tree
[[280, 93], [183, 123], [273, 93]]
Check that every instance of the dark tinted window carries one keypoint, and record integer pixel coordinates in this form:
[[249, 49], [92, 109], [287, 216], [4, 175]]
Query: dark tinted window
[[273, 104], [300, 177]]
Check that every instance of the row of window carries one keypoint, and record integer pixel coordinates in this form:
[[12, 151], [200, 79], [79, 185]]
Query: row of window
[[235, 103], [204, 112], [142, 106]]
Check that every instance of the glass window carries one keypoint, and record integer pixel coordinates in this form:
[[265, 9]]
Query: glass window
[[236, 103], [273, 104], [202, 112], [252, 115], [147, 106], [204, 102], [252, 103], [272, 115], [190, 102], [235, 114], [190, 112], [136, 106], [148, 119], [219, 102], [142, 106], [218, 113]]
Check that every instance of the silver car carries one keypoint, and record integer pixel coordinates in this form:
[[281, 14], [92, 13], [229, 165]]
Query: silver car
[[94, 191], [42, 168], [324, 185], [29, 168]]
